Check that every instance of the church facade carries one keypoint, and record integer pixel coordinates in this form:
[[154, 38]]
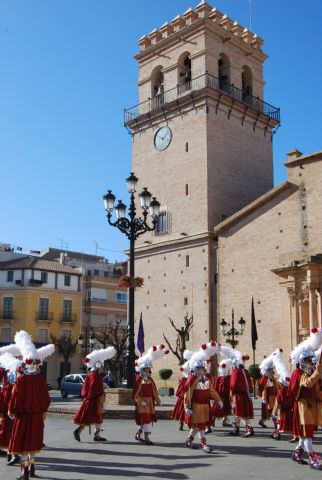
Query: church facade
[[202, 142]]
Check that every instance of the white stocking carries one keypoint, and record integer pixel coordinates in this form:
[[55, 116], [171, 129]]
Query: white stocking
[[300, 444], [145, 428], [193, 432], [308, 445], [201, 434]]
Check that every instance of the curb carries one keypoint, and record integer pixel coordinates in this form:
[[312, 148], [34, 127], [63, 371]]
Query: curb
[[115, 413]]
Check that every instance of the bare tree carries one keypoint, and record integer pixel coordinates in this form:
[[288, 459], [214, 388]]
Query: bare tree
[[114, 335], [66, 348], [182, 337]]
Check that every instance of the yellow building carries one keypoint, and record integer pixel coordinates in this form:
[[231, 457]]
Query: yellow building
[[44, 298]]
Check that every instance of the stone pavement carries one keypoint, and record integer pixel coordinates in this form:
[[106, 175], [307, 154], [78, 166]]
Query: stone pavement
[[121, 457]]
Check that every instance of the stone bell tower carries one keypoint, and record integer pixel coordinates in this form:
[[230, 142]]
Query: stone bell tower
[[202, 143]]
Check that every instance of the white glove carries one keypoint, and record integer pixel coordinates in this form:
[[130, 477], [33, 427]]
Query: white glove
[[220, 404], [143, 403], [188, 412], [264, 402]]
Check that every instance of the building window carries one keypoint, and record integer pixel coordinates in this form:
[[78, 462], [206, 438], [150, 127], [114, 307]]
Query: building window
[[67, 310], [44, 277], [43, 308], [66, 333], [67, 281], [187, 260], [162, 226], [96, 272], [121, 297], [10, 276], [6, 334], [7, 307], [185, 301], [89, 272], [42, 334]]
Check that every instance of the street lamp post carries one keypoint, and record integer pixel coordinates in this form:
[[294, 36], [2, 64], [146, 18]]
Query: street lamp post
[[232, 332], [132, 227]]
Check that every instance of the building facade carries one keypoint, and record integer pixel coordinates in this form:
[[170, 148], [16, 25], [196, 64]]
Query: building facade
[[44, 298], [272, 250], [202, 143]]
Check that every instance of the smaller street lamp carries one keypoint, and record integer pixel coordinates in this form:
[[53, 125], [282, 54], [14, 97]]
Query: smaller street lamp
[[232, 332]]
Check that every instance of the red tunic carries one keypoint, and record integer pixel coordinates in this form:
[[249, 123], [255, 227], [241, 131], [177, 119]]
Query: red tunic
[[241, 388], [7, 423], [178, 411], [285, 403], [29, 402], [222, 385], [92, 409]]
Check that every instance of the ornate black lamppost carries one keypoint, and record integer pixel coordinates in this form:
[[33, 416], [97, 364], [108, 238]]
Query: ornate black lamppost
[[132, 227], [232, 332]]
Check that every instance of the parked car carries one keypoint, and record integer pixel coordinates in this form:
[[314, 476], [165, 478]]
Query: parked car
[[72, 384]]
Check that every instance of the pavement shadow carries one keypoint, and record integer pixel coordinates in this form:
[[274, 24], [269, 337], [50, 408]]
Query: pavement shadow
[[115, 469]]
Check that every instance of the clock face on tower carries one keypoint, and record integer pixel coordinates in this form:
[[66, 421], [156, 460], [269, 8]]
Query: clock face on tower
[[162, 138]]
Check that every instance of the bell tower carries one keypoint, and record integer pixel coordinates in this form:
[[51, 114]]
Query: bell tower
[[202, 143]]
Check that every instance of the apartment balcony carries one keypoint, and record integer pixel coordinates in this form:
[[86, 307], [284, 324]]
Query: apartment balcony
[[44, 316], [68, 318], [188, 89]]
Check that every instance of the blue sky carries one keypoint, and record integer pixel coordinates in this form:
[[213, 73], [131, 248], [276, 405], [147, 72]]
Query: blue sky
[[67, 72]]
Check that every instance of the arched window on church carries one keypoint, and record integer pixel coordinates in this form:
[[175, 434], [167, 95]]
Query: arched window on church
[[157, 87], [184, 72], [224, 72], [305, 315], [247, 85]]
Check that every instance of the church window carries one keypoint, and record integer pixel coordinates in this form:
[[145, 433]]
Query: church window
[[157, 88], [185, 301], [187, 146], [187, 260], [184, 73], [247, 85], [162, 226], [187, 189], [224, 72]]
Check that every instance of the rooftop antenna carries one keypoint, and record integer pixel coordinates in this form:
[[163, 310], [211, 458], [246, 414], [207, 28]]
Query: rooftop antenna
[[63, 245], [250, 15], [96, 247]]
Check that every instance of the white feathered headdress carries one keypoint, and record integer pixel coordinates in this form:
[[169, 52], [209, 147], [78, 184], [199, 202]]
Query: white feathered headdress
[[12, 348], [99, 356], [281, 368], [46, 351], [237, 357], [224, 367], [27, 348], [9, 362], [314, 342], [268, 363], [154, 353], [204, 354]]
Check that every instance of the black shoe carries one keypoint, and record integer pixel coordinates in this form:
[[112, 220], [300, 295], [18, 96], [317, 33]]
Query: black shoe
[[208, 430], [32, 472], [3, 453], [98, 438], [249, 432], [262, 424], [76, 434], [13, 460], [235, 432], [181, 428], [24, 474], [225, 423]]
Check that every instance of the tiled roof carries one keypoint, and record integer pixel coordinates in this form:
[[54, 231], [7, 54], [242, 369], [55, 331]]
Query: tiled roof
[[30, 262]]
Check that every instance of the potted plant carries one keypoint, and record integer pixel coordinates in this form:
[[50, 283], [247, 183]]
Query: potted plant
[[255, 374], [130, 282], [165, 374]]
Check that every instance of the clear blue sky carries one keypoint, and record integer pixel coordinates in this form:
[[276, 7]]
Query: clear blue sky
[[67, 72]]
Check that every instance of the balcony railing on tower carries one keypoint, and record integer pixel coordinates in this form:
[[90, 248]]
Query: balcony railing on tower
[[203, 81]]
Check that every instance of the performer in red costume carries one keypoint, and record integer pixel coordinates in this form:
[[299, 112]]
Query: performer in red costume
[[267, 389], [10, 366], [28, 405], [3, 383], [145, 393], [305, 390], [178, 411], [222, 386], [92, 409], [199, 391]]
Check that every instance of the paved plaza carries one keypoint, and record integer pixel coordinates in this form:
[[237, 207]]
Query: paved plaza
[[121, 457]]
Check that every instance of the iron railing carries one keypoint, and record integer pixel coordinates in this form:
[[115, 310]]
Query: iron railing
[[203, 81]]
